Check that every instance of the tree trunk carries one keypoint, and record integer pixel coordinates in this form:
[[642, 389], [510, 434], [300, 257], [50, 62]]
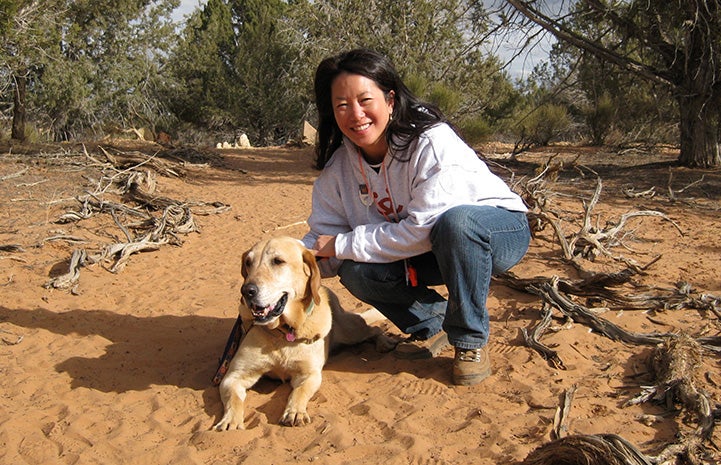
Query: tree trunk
[[18, 127], [699, 139], [699, 127], [698, 94]]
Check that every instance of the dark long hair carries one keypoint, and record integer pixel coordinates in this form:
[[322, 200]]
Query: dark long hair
[[410, 115]]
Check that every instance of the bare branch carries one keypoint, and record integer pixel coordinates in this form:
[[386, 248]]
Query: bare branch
[[565, 34]]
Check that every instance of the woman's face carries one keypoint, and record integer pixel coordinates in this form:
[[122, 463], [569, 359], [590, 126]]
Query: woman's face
[[362, 113]]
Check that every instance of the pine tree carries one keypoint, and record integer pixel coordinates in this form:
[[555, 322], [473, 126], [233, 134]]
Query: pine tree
[[86, 64], [238, 72]]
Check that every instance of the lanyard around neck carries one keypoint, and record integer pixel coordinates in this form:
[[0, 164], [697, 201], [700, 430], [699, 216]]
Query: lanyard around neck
[[384, 171]]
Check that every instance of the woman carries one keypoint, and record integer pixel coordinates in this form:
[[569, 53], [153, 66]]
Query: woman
[[401, 204]]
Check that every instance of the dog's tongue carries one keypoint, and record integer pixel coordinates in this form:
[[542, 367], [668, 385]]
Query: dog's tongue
[[261, 312], [269, 311]]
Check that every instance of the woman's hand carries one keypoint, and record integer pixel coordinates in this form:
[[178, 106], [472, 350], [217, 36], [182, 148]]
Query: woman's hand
[[324, 246]]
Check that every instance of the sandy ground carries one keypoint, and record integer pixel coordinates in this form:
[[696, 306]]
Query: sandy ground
[[117, 369]]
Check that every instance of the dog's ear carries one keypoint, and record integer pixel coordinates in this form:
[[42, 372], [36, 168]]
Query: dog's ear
[[314, 280], [243, 267]]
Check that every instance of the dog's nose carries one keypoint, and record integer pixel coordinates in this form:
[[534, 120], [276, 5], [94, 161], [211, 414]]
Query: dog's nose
[[249, 290]]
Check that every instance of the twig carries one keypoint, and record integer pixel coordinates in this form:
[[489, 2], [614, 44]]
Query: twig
[[64, 238], [672, 193], [12, 248], [122, 228], [297, 223], [69, 279], [561, 419], [124, 251], [10, 342], [93, 159], [629, 192], [14, 175], [533, 339], [31, 184]]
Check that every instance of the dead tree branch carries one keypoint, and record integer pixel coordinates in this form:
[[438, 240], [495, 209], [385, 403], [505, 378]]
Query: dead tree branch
[[678, 357], [550, 293], [672, 193], [606, 289], [563, 412], [590, 240], [676, 365], [533, 339], [150, 232]]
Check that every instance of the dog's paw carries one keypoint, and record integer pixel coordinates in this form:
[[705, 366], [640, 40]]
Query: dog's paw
[[229, 422], [294, 418], [386, 343]]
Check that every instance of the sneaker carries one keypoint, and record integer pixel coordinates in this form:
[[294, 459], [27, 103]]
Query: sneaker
[[471, 366], [414, 348]]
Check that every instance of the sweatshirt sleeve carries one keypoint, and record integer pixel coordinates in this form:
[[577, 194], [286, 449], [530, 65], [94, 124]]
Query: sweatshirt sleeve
[[328, 215], [327, 218]]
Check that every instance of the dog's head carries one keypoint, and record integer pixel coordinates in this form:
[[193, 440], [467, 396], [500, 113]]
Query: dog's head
[[280, 276]]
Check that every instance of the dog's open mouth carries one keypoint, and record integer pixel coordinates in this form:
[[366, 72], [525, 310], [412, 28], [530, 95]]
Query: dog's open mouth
[[264, 315]]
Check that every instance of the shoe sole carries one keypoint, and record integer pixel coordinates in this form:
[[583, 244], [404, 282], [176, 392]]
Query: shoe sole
[[470, 380], [429, 352]]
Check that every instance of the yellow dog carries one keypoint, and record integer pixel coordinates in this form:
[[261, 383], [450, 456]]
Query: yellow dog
[[292, 323]]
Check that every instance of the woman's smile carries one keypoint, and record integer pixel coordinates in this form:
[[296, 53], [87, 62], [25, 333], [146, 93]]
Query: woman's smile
[[362, 111]]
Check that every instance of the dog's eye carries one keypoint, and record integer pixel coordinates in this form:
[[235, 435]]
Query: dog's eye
[[278, 261], [248, 262]]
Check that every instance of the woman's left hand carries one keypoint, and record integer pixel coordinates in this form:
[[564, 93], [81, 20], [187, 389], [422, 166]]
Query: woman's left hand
[[324, 246]]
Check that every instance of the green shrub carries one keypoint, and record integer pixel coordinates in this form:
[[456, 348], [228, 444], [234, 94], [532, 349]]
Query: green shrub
[[542, 125], [599, 118], [475, 131]]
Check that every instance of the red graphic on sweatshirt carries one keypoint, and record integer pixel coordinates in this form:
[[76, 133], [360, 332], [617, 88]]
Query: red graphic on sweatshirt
[[385, 206]]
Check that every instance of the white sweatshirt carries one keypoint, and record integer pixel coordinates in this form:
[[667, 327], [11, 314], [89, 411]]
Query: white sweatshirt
[[442, 172]]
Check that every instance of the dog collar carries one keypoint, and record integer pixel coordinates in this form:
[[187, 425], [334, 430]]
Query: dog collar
[[289, 332], [310, 307]]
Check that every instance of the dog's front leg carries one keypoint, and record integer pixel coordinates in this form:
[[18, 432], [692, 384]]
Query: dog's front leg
[[232, 392], [304, 388]]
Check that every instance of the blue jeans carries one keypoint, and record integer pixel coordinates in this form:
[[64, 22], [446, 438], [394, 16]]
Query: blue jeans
[[468, 245]]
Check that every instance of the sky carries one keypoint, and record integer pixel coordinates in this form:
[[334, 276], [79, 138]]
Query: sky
[[519, 68], [186, 7], [522, 65]]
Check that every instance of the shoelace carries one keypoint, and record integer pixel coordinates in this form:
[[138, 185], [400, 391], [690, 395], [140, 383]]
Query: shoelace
[[469, 355]]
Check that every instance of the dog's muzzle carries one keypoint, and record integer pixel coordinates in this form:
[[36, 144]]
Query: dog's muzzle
[[264, 315]]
